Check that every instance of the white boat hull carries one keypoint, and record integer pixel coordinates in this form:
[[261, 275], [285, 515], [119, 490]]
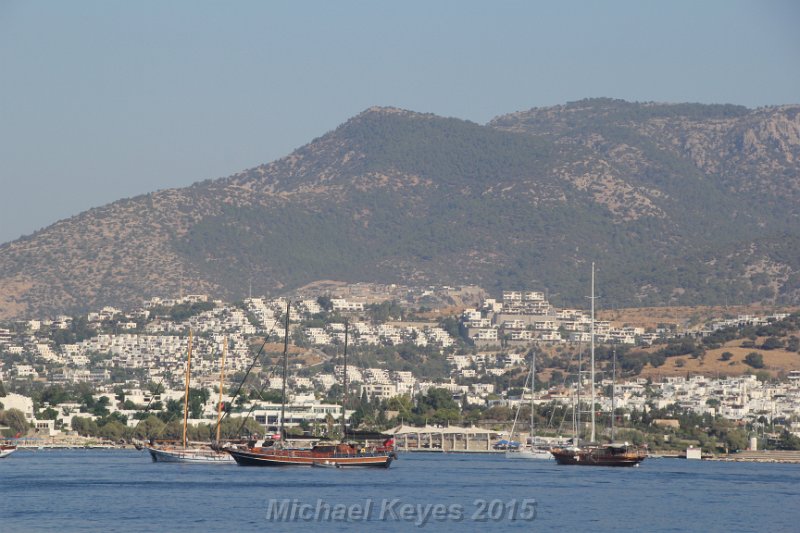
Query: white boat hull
[[539, 455], [190, 455], [5, 452]]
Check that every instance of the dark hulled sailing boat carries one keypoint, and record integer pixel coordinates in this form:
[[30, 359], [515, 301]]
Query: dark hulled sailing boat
[[593, 454], [321, 455], [613, 454]]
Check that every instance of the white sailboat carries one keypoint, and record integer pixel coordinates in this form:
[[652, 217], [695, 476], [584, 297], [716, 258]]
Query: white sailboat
[[193, 454], [532, 450]]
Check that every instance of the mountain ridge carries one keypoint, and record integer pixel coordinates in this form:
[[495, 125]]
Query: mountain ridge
[[660, 195]]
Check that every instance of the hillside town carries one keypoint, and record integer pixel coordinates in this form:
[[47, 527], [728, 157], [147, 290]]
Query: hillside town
[[134, 361]]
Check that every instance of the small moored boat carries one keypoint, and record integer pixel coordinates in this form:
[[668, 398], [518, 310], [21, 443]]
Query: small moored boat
[[6, 450]]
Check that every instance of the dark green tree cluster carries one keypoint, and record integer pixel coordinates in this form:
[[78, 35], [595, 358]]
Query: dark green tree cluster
[[754, 359], [369, 414], [437, 407], [385, 311], [79, 330], [114, 428], [182, 311], [16, 422]]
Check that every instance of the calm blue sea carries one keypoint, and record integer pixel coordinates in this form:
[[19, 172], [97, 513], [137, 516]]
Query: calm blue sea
[[98, 490]]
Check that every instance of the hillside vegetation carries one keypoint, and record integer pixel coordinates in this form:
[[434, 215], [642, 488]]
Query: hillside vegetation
[[680, 204]]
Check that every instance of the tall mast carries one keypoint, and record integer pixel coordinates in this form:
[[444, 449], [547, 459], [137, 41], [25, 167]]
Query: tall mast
[[574, 417], [576, 412], [344, 381], [186, 395], [285, 368], [592, 335], [533, 388], [221, 381], [613, 390]]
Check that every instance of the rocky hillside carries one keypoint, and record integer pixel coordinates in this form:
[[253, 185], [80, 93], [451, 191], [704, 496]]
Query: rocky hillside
[[677, 204]]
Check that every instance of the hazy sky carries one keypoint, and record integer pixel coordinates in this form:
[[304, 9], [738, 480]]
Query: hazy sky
[[102, 100]]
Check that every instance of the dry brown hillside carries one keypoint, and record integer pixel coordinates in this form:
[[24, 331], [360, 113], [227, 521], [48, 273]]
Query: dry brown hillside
[[678, 204]]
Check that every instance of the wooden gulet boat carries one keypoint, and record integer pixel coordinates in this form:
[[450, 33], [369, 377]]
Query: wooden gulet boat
[[322, 455], [593, 454], [614, 454], [341, 455], [193, 454]]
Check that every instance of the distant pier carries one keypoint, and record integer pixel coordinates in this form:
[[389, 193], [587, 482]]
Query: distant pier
[[761, 456], [450, 439]]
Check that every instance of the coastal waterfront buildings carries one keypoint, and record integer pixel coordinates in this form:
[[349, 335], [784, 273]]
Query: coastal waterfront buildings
[[148, 345], [741, 399]]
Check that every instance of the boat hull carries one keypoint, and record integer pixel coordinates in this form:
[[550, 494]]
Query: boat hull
[[598, 456], [534, 455], [278, 458], [189, 455], [5, 451]]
